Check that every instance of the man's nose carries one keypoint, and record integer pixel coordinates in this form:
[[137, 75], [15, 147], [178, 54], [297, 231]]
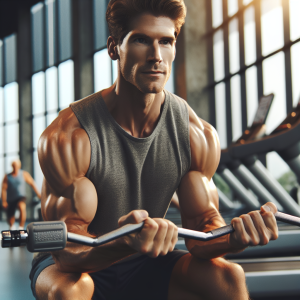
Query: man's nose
[[155, 54]]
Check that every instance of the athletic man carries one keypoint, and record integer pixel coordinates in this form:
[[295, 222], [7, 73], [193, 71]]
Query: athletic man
[[117, 156], [14, 194]]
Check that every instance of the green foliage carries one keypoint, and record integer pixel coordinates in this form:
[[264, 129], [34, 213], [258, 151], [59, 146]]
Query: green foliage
[[222, 185], [288, 180]]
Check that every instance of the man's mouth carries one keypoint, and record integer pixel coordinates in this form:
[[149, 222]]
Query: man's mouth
[[153, 72]]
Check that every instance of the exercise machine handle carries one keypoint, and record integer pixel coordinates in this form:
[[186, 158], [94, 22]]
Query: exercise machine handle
[[287, 218], [51, 236]]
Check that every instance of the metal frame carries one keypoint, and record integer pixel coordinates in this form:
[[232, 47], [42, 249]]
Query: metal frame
[[242, 71]]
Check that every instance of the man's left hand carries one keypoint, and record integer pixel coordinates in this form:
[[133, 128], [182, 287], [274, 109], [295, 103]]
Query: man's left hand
[[254, 228]]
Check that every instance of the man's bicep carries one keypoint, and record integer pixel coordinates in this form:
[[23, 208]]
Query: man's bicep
[[64, 155], [76, 206], [198, 196]]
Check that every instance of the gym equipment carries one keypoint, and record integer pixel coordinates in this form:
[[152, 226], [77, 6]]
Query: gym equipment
[[241, 161], [285, 140], [51, 236], [230, 169]]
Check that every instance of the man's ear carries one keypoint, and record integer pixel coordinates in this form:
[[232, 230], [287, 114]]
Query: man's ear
[[174, 52], [112, 48]]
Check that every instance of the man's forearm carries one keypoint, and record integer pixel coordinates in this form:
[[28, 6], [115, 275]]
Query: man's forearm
[[4, 196], [35, 189], [214, 248], [83, 259]]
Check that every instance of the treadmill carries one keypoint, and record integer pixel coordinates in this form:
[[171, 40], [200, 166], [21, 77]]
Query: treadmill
[[237, 176], [285, 140]]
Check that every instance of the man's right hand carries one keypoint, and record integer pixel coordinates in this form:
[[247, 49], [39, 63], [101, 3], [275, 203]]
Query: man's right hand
[[4, 205], [157, 237]]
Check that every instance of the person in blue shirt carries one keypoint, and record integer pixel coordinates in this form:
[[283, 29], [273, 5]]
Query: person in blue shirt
[[13, 193]]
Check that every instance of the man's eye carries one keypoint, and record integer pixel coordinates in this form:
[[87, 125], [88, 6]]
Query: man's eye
[[165, 42], [141, 40]]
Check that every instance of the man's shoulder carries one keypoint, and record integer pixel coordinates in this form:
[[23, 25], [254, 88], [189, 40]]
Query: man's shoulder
[[176, 98], [64, 147], [205, 145], [199, 128], [65, 128], [88, 101], [65, 123]]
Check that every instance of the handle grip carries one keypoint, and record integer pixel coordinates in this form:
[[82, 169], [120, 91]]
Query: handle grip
[[51, 236], [222, 231], [287, 218]]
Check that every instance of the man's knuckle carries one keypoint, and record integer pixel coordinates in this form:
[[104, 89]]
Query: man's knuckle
[[274, 235], [154, 226], [255, 241], [246, 217], [264, 240], [145, 248], [155, 253], [164, 252], [163, 225], [245, 240]]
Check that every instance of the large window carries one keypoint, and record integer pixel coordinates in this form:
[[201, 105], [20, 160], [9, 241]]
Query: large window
[[256, 47], [53, 69], [9, 105]]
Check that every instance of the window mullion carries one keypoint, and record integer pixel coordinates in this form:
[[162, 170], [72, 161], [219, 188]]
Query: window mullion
[[242, 66], [211, 91], [287, 56], [227, 72], [260, 89]]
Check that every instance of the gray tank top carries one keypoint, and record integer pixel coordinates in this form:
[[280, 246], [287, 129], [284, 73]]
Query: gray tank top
[[134, 173], [16, 187]]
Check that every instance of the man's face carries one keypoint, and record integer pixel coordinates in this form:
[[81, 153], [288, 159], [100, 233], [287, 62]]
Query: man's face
[[147, 52]]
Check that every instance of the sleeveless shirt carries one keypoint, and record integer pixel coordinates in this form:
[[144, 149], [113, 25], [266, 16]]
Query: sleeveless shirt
[[16, 187], [134, 173]]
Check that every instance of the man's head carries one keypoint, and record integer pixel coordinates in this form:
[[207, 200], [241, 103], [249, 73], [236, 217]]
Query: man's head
[[143, 36], [16, 165], [120, 13]]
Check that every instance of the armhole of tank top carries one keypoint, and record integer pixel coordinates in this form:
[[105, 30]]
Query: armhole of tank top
[[187, 137]]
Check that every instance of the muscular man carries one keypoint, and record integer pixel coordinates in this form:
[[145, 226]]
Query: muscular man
[[14, 194], [117, 157]]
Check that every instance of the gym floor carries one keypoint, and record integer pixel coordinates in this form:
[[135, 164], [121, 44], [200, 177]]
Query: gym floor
[[15, 265]]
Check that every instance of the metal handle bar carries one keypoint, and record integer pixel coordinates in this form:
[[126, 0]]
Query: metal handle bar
[[50, 236]]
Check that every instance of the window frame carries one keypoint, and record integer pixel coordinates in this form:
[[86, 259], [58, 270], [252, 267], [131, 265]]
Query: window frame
[[286, 49]]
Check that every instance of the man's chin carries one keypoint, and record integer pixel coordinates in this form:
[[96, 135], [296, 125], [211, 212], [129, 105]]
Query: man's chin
[[151, 89]]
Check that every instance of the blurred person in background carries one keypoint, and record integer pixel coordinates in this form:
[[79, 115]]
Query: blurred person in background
[[13, 194]]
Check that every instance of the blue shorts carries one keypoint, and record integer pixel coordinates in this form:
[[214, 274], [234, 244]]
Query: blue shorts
[[139, 277]]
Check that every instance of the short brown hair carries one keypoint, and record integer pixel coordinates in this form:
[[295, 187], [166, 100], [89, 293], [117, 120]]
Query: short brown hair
[[120, 12]]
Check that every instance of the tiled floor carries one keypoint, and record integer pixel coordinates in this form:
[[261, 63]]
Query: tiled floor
[[15, 266]]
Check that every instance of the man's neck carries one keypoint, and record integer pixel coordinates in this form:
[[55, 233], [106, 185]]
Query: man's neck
[[15, 173], [136, 112]]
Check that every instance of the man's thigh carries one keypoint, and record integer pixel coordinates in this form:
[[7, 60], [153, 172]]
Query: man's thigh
[[139, 277], [201, 279], [53, 284]]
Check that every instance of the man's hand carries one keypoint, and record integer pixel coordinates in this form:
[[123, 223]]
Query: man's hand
[[158, 236], [4, 205], [254, 228]]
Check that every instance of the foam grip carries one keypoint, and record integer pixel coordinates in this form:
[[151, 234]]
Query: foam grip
[[46, 236]]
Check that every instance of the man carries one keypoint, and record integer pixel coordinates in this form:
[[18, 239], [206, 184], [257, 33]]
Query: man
[[14, 194], [117, 157]]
